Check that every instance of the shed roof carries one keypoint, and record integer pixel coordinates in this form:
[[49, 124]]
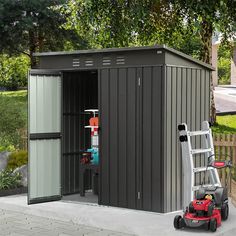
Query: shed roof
[[124, 49]]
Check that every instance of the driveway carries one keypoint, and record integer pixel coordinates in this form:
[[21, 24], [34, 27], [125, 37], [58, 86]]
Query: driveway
[[225, 98]]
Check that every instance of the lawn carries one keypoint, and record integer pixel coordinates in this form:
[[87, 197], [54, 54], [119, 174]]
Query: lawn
[[225, 124], [13, 118]]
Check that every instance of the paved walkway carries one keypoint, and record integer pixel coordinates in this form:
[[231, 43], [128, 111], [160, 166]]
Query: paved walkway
[[67, 218], [20, 224]]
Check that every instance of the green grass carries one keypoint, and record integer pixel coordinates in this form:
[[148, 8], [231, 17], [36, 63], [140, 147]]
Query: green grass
[[225, 124], [15, 99], [13, 118], [13, 94]]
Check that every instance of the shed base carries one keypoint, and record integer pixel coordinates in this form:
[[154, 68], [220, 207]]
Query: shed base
[[88, 198]]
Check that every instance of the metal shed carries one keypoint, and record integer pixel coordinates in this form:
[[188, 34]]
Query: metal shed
[[142, 94]]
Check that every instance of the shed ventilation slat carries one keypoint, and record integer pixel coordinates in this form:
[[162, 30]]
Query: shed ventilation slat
[[106, 61], [76, 62], [89, 62], [120, 60]]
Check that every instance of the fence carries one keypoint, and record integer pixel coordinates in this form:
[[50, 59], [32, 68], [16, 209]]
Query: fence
[[225, 148], [24, 139]]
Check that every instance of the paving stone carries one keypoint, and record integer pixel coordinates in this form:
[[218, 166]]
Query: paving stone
[[120, 234], [21, 231], [5, 232], [9, 225], [45, 233], [18, 224], [102, 233], [88, 231], [16, 234], [69, 231]]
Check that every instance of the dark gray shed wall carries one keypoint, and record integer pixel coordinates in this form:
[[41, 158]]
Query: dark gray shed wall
[[187, 99], [173, 59], [131, 143]]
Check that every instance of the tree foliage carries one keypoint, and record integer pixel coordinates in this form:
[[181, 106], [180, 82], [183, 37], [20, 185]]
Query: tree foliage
[[224, 64], [206, 17], [209, 15], [28, 26], [109, 23], [13, 71], [179, 24]]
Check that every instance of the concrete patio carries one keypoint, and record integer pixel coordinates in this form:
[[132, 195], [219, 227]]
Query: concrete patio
[[70, 218]]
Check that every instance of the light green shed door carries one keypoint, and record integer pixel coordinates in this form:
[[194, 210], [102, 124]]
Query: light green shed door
[[44, 136]]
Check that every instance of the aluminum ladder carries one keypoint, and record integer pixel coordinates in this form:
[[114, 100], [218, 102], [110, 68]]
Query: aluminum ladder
[[188, 156]]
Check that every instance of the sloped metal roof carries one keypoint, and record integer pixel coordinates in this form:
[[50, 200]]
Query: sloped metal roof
[[113, 50]]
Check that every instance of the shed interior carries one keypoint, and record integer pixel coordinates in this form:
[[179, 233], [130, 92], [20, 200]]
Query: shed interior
[[79, 92]]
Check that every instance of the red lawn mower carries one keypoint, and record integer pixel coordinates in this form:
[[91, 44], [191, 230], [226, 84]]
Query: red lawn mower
[[209, 207]]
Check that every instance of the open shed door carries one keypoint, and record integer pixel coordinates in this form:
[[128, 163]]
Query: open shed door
[[44, 124]]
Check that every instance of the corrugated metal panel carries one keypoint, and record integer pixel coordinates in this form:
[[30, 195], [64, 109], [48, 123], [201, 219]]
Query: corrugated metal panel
[[151, 136], [44, 166], [80, 92], [45, 107], [187, 100], [130, 111], [44, 136]]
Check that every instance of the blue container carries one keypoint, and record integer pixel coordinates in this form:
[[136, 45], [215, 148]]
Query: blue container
[[95, 155]]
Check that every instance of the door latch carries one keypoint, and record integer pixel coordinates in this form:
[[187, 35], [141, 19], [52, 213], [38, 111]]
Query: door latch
[[139, 195], [139, 81]]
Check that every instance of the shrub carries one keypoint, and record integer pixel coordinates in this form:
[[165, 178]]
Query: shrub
[[13, 71], [17, 159], [9, 148], [9, 180]]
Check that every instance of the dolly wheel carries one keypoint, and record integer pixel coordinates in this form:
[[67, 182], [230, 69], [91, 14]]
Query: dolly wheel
[[213, 225], [224, 211], [178, 222]]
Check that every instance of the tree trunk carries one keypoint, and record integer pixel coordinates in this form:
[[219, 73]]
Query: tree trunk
[[32, 48], [206, 56], [32, 43]]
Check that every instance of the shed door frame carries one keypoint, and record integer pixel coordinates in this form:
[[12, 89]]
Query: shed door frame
[[42, 137]]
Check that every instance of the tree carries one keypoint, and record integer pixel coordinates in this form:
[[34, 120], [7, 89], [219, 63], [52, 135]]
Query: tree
[[28, 26], [175, 19], [209, 16], [176, 23], [13, 71], [113, 23], [103, 23]]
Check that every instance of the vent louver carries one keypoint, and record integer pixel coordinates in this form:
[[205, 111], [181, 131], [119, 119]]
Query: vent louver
[[106, 61], [76, 62], [120, 60], [89, 62]]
